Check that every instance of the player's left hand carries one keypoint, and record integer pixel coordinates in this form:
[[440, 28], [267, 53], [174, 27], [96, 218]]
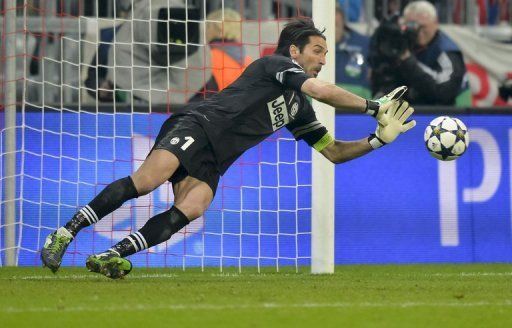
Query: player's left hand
[[396, 117], [378, 107]]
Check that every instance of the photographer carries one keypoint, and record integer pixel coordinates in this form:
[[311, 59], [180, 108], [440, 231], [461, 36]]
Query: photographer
[[414, 52]]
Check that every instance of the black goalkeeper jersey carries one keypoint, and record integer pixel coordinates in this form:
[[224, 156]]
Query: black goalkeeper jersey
[[266, 97]]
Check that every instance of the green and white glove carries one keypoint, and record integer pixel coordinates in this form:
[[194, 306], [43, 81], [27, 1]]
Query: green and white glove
[[377, 107], [396, 117]]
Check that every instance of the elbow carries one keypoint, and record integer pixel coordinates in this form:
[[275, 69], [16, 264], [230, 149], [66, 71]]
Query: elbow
[[332, 159], [335, 153], [339, 159]]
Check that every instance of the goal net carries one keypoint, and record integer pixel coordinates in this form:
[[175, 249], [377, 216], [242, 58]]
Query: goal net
[[95, 82]]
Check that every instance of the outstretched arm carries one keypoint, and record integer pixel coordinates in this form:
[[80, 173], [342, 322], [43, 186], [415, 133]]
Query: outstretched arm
[[396, 116], [292, 76], [340, 98], [333, 95], [343, 151]]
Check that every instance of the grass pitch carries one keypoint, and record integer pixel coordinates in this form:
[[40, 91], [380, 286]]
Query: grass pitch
[[355, 296]]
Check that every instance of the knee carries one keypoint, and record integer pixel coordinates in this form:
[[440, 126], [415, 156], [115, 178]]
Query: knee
[[144, 183], [192, 211]]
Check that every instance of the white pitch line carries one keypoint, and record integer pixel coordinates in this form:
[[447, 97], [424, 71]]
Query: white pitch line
[[87, 276], [476, 274], [458, 274], [217, 307], [228, 275]]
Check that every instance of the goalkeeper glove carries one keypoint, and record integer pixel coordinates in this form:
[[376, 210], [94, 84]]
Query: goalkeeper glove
[[377, 108], [396, 117]]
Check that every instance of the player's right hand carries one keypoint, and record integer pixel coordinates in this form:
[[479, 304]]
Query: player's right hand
[[379, 106], [396, 116], [396, 94]]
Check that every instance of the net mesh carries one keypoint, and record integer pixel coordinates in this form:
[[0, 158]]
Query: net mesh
[[99, 80]]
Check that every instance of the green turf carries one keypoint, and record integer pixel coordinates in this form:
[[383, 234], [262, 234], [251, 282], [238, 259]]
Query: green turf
[[355, 296]]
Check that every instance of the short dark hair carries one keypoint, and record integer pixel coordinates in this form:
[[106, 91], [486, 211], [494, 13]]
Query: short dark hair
[[297, 32]]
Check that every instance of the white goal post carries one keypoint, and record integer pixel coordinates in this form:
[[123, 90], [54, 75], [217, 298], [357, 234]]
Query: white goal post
[[322, 218], [8, 146]]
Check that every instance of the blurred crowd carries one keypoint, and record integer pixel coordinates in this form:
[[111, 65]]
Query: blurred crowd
[[406, 48], [168, 56], [487, 12], [399, 42]]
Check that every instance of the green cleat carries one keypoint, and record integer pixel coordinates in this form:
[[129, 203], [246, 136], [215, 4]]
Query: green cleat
[[53, 250], [109, 264]]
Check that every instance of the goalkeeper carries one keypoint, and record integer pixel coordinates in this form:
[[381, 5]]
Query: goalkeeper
[[195, 147]]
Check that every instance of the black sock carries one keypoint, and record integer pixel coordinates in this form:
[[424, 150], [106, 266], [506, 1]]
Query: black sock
[[107, 201], [157, 230]]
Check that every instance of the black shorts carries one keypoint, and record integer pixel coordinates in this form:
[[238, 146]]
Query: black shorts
[[183, 136]]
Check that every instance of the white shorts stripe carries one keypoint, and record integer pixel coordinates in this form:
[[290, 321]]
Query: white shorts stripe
[[141, 237]]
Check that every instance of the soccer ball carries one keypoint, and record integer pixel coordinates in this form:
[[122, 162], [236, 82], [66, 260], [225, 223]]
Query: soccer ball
[[446, 138]]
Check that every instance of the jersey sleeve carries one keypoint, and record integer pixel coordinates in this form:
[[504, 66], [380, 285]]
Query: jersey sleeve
[[286, 72], [307, 127]]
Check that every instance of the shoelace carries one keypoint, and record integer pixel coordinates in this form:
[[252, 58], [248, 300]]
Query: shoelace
[[57, 244], [105, 255]]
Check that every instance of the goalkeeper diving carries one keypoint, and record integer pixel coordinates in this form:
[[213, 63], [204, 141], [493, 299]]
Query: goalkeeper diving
[[196, 146]]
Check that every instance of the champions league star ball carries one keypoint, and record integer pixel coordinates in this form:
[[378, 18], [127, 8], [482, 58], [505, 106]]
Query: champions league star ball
[[446, 138]]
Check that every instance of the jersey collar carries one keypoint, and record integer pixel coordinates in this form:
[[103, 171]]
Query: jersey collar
[[295, 62]]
